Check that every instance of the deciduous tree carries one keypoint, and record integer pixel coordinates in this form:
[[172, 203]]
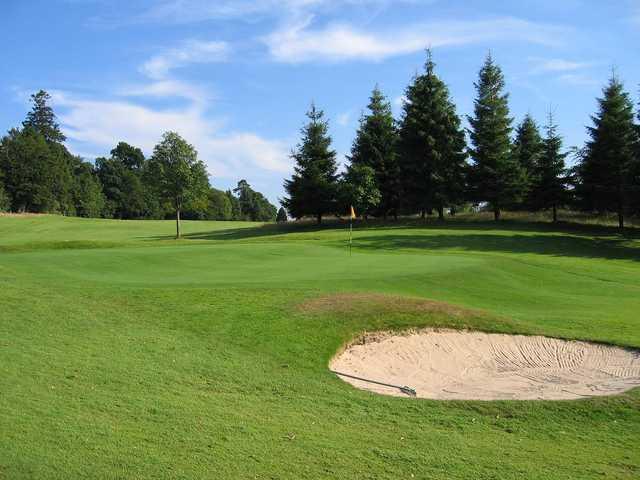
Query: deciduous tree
[[180, 175]]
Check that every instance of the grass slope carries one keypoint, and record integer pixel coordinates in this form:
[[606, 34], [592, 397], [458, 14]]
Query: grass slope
[[126, 354]]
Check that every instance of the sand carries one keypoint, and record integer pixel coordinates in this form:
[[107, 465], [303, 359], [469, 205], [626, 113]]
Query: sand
[[462, 365]]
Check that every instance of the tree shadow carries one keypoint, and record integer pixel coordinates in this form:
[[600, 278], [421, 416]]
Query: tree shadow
[[566, 246], [508, 236]]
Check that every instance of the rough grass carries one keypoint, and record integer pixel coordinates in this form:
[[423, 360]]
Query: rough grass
[[207, 358]]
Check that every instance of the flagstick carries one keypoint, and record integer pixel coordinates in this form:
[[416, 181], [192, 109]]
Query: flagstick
[[350, 233]]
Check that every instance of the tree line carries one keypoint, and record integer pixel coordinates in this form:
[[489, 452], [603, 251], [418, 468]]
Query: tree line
[[39, 175], [426, 162]]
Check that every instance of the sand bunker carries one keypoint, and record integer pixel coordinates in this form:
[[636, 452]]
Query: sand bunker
[[451, 365]]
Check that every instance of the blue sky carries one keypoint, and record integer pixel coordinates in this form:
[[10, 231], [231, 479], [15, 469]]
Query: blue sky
[[235, 77]]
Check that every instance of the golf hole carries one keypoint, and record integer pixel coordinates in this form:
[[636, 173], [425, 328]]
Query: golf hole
[[464, 365]]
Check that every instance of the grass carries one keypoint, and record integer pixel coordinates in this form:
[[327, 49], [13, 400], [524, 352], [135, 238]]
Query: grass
[[127, 354]]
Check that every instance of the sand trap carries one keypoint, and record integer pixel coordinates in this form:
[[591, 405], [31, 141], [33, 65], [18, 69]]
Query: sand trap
[[448, 364]]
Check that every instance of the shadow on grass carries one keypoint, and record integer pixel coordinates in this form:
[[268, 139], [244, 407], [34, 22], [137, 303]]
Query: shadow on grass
[[507, 236], [566, 246]]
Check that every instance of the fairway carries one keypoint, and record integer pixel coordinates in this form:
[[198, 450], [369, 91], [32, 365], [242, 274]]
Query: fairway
[[127, 354]]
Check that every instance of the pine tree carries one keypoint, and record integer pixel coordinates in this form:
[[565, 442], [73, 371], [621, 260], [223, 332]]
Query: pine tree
[[527, 149], [42, 119], [495, 176], [432, 145], [609, 160], [375, 146], [312, 189], [549, 187]]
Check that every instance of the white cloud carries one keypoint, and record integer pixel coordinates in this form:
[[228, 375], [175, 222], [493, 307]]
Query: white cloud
[[167, 88], [542, 65], [191, 51], [578, 79], [343, 119], [97, 125], [188, 11], [297, 42]]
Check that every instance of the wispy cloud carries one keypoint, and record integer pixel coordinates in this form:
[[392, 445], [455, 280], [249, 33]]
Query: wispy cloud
[[344, 119], [578, 79], [190, 52], [167, 89], [189, 11], [299, 42], [545, 65]]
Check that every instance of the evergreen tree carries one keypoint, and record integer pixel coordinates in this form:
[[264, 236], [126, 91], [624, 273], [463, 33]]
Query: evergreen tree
[[609, 160], [549, 186], [180, 175], [42, 119], [432, 145], [281, 217], [375, 146], [312, 189], [5, 201], [495, 176], [527, 149]]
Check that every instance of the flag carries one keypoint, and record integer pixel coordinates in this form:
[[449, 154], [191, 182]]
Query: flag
[[352, 215]]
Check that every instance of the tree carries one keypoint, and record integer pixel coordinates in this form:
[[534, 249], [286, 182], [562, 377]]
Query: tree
[[88, 199], [527, 149], [549, 185], [5, 201], [131, 157], [609, 161], [37, 174], [126, 184], [253, 205], [180, 175], [495, 175], [312, 189], [360, 189], [42, 119], [219, 206], [375, 146], [432, 145], [281, 217], [235, 206]]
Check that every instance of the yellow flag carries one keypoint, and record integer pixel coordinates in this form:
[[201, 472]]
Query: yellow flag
[[352, 215]]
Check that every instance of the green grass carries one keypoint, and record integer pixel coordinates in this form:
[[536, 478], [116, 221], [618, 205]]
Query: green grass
[[127, 354]]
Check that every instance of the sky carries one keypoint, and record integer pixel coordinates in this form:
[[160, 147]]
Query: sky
[[235, 77]]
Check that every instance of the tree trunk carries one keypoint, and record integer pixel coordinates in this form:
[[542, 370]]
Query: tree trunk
[[319, 219], [555, 214], [178, 223], [395, 215], [423, 214], [620, 219], [496, 214], [441, 214]]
